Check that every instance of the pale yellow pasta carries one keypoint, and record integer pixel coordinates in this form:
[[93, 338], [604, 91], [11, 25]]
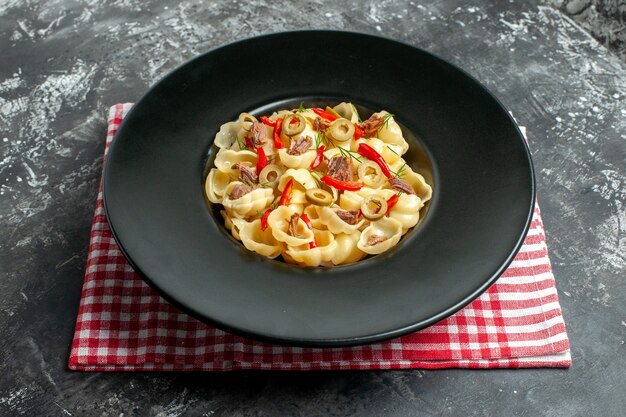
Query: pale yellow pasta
[[257, 240], [297, 208], [323, 252], [391, 133], [390, 152], [407, 211], [329, 218], [215, 185], [251, 203], [386, 227], [347, 251], [227, 136], [228, 223], [296, 161], [266, 205], [278, 221], [347, 111], [311, 213], [419, 184], [302, 181], [351, 200], [227, 158]]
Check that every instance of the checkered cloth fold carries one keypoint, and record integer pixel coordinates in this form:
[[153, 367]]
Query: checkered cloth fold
[[123, 324]]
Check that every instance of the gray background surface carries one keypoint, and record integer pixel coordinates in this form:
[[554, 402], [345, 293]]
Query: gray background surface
[[64, 62]]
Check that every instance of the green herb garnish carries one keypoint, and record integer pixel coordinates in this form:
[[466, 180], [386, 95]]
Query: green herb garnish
[[401, 172], [351, 154]]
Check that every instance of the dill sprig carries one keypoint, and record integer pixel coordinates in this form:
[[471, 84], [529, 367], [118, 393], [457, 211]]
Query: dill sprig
[[386, 119], [301, 107], [401, 172], [351, 154], [391, 149], [319, 138], [242, 144]]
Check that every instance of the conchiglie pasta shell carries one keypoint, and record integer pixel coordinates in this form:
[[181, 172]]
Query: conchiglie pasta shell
[[314, 217], [278, 222], [422, 189], [259, 241], [300, 176], [330, 152], [407, 211], [347, 251], [302, 181], [391, 133], [389, 151], [329, 218], [351, 200], [249, 204], [347, 111], [226, 158], [215, 185], [227, 136], [324, 251], [309, 115], [296, 161], [297, 208], [332, 145], [388, 227], [235, 224]]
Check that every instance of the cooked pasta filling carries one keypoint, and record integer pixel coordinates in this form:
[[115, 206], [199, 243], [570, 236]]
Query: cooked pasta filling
[[317, 187]]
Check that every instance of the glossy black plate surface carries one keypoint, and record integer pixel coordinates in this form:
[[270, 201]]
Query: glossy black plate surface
[[470, 146]]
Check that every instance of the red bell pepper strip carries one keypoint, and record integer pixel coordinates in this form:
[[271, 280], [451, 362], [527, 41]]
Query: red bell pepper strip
[[262, 161], [358, 132], [286, 197], [341, 185], [278, 142], [393, 200], [266, 121], [319, 157], [264, 217], [249, 143], [370, 153], [324, 114], [307, 221]]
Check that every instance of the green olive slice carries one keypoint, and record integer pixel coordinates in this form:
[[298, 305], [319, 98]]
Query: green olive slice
[[370, 174], [291, 128], [246, 120], [341, 130], [270, 175], [333, 112], [374, 207], [319, 197]]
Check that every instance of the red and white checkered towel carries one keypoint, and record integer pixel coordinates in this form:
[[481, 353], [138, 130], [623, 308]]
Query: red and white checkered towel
[[124, 325]]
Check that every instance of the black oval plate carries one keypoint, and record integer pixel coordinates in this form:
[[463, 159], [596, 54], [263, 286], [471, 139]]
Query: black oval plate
[[480, 213]]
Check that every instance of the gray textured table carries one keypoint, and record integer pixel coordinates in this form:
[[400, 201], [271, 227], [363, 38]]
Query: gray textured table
[[62, 63]]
